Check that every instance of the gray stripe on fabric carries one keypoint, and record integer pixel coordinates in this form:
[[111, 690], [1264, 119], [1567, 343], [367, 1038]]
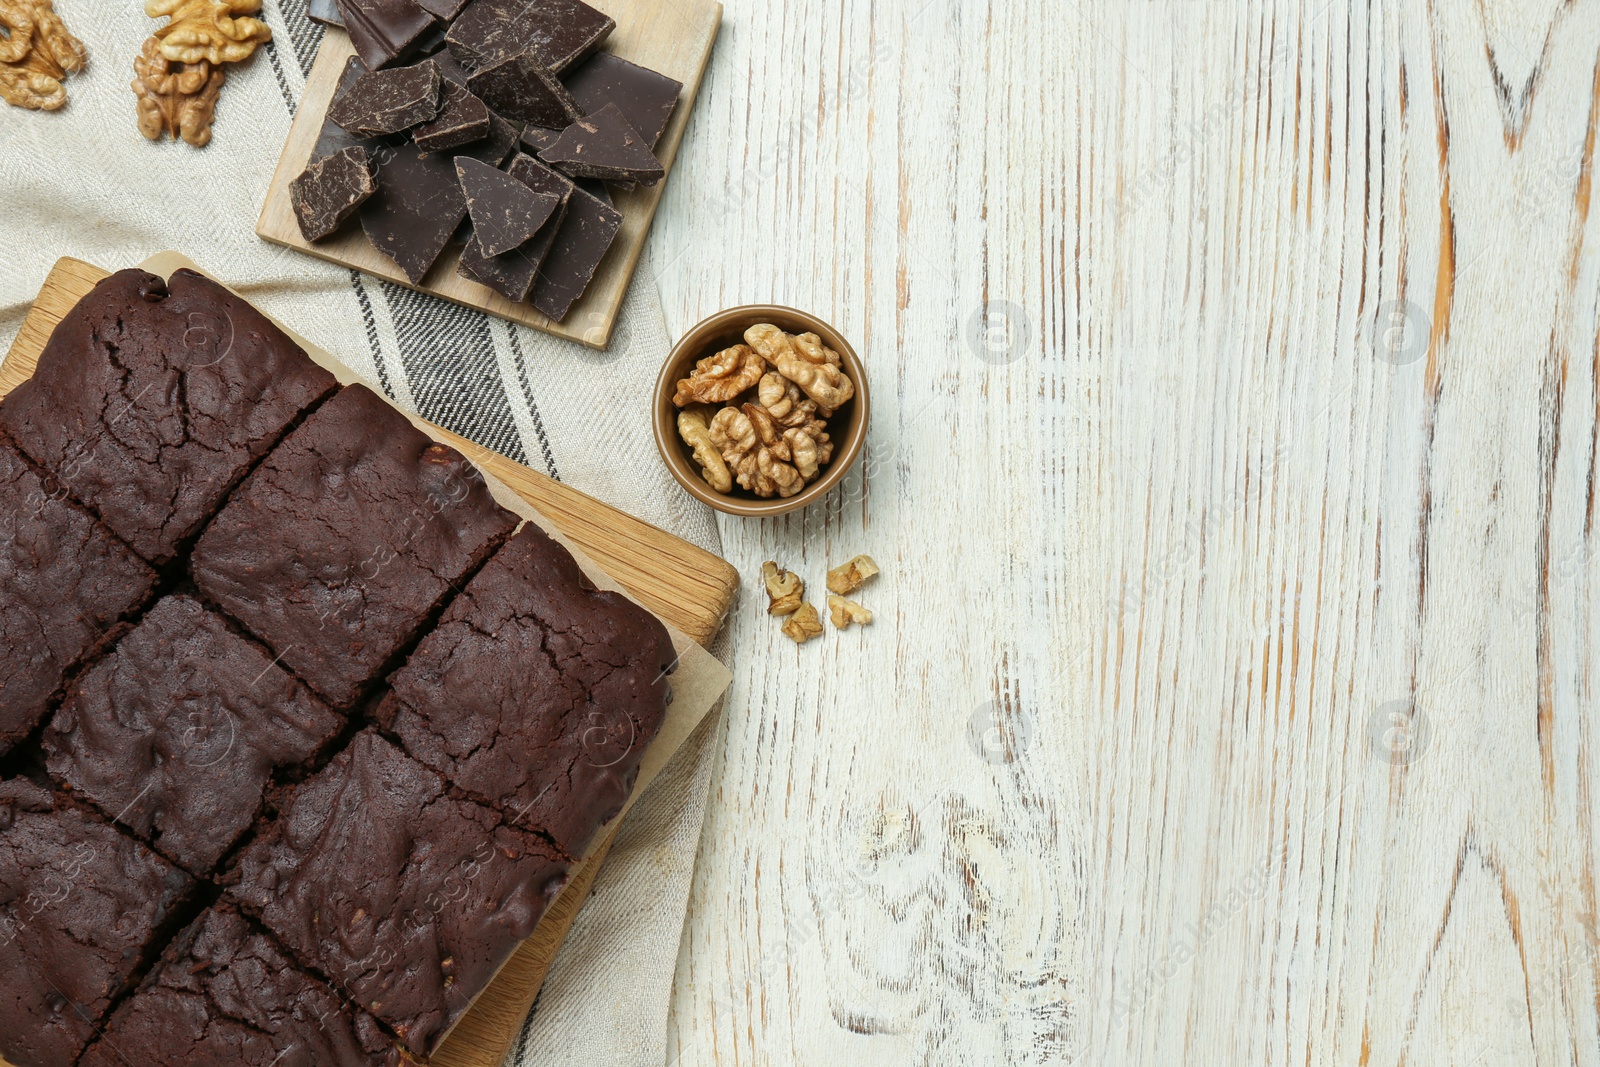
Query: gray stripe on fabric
[[448, 354], [283, 83], [533, 408], [304, 34], [372, 332]]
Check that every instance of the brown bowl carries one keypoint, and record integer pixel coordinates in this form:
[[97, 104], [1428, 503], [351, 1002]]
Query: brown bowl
[[847, 426]]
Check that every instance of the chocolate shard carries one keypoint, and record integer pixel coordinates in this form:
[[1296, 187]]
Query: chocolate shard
[[522, 88], [512, 274], [462, 119], [605, 146], [536, 139], [383, 31], [450, 68], [585, 236], [645, 98], [505, 213], [389, 101], [419, 203], [559, 33], [331, 189], [325, 12]]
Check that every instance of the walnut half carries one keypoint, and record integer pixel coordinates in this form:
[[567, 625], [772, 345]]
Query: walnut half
[[210, 31], [36, 55], [175, 98], [721, 377]]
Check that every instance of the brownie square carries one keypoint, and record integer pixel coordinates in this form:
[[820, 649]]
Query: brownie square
[[406, 897], [536, 694], [152, 400], [179, 731], [226, 996], [80, 904], [64, 581], [344, 541]]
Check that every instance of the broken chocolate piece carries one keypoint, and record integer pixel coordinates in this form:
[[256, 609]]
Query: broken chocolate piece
[[513, 273], [389, 101], [605, 146], [521, 88], [334, 137], [450, 68], [585, 236], [462, 119], [645, 98], [419, 203], [383, 31], [505, 213], [331, 189], [537, 138], [325, 12], [559, 33]]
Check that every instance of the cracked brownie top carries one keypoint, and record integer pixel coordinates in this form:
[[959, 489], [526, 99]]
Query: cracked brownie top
[[348, 536], [152, 400], [536, 693]]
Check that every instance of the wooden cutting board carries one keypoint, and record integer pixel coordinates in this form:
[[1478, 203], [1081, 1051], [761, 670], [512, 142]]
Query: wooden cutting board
[[685, 585], [670, 36]]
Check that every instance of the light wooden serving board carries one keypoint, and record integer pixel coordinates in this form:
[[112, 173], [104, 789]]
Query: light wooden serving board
[[670, 36], [686, 586]]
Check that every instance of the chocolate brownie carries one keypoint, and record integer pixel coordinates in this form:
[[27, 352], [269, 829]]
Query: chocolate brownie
[[80, 905], [537, 694], [179, 731], [64, 581], [226, 996], [406, 897], [342, 543], [152, 399]]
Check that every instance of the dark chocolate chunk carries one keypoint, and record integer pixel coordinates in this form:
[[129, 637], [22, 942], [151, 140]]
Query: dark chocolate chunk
[[585, 237], [521, 88], [325, 12], [331, 189], [450, 68], [334, 137], [513, 274], [605, 146], [536, 139], [419, 203], [383, 31], [462, 119], [389, 101], [505, 213], [559, 33], [645, 98], [443, 10]]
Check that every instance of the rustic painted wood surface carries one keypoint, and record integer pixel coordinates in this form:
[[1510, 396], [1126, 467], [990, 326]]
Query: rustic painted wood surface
[[1232, 695]]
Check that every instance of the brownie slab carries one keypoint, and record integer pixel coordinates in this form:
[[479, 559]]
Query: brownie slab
[[536, 694], [407, 898], [152, 399], [226, 996], [178, 732], [64, 582], [345, 539], [80, 905]]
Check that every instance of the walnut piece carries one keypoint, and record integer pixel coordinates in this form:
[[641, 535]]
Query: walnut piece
[[785, 590], [175, 98], [695, 430], [851, 576], [788, 406], [806, 365], [36, 55], [210, 31], [719, 378], [803, 625], [755, 466], [844, 612]]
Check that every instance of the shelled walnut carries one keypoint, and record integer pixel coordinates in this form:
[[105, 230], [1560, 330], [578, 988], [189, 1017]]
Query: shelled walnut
[[803, 625], [845, 612], [771, 433], [785, 590], [849, 577], [36, 55], [179, 72]]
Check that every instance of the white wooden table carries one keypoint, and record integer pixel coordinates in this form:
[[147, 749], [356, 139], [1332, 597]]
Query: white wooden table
[[1232, 698]]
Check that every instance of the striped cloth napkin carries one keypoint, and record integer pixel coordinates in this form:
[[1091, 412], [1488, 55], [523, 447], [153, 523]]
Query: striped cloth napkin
[[83, 182]]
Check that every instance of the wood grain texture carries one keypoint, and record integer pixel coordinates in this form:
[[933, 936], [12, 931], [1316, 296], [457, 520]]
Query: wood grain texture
[[687, 586], [674, 37], [1232, 694]]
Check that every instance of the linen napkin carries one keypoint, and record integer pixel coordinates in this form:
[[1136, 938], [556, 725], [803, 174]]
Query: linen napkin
[[83, 182]]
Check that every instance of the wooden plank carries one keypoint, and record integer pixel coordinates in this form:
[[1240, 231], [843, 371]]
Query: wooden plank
[[685, 585], [674, 37]]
